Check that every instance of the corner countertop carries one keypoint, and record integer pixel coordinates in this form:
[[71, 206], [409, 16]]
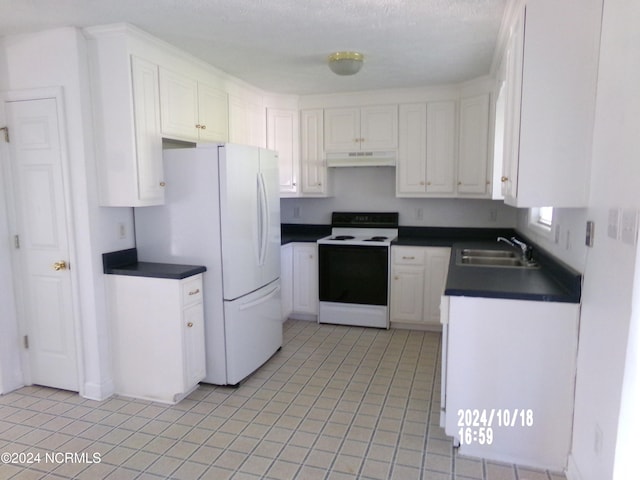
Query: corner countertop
[[125, 262], [553, 281]]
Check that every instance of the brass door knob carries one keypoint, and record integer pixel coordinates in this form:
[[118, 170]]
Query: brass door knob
[[190, 324], [62, 265]]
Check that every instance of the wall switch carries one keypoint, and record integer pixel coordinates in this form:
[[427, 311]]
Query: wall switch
[[613, 225], [588, 241], [629, 226]]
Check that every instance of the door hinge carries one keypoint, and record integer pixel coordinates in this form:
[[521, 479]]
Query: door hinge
[[16, 242], [6, 133], [26, 341]]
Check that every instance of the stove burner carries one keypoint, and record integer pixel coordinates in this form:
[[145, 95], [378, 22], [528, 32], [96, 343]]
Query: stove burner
[[376, 239], [342, 237]]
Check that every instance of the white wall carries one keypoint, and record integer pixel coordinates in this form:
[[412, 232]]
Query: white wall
[[373, 189], [57, 58]]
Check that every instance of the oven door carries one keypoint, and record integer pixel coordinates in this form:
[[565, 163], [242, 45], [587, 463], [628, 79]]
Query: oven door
[[353, 274]]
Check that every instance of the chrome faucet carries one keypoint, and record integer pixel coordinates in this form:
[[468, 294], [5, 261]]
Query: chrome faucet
[[524, 248]]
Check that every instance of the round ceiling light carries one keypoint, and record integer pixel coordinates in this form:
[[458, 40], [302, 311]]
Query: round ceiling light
[[345, 63]]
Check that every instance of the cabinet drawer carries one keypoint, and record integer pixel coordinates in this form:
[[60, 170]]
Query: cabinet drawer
[[192, 290], [408, 255]]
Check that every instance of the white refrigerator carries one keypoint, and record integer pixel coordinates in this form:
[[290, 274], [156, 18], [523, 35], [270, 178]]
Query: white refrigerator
[[222, 210]]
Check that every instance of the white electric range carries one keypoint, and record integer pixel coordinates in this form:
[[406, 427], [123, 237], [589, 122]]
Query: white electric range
[[354, 268]]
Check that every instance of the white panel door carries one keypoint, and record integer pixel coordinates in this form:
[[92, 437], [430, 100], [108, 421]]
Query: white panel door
[[42, 259], [441, 146]]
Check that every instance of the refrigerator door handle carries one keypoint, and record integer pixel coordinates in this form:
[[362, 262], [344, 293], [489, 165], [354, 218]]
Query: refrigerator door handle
[[263, 219], [260, 300]]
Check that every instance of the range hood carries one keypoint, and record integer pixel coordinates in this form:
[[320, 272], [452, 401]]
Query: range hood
[[361, 159]]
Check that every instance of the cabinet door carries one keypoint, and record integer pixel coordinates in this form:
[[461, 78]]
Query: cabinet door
[[341, 129], [441, 146], [436, 276], [379, 128], [146, 112], [305, 278], [282, 132], [407, 293], [411, 169], [473, 152], [513, 87], [213, 114], [246, 123], [286, 280], [179, 105], [312, 164], [194, 346]]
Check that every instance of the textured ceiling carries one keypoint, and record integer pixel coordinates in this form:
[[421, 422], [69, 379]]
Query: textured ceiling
[[282, 45]]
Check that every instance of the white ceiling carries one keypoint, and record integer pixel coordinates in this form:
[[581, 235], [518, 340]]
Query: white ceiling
[[282, 45]]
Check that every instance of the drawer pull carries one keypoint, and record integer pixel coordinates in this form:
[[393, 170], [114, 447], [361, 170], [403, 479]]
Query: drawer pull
[[408, 258], [194, 292], [190, 324]]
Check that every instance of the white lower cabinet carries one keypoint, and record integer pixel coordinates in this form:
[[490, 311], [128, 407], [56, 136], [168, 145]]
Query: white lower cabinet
[[508, 378], [157, 334], [300, 289], [418, 276]]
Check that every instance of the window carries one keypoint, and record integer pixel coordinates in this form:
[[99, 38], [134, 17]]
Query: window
[[541, 219], [545, 216]]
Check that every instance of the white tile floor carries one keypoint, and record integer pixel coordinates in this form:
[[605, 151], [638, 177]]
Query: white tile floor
[[335, 403]]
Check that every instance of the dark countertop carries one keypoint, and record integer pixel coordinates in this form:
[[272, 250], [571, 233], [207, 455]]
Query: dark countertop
[[125, 262], [302, 232], [552, 282]]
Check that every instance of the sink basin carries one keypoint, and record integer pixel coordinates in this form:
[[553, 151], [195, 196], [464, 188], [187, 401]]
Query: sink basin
[[475, 252], [492, 258]]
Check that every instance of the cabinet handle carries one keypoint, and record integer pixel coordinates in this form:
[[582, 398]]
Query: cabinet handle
[[356, 140], [198, 125], [194, 292], [203, 127], [459, 183], [396, 277], [362, 139], [504, 179], [422, 183], [190, 324], [162, 184], [428, 183], [408, 258]]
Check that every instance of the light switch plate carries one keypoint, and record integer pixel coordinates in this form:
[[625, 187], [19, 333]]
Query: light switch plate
[[613, 225], [629, 226]]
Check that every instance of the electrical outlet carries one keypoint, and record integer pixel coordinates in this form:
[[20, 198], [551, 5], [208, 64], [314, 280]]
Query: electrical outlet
[[419, 214], [122, 231], [493, 215], [296, 212]]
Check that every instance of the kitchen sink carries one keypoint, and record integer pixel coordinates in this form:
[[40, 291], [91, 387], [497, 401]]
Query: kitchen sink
[[476, 252], [492, 258]]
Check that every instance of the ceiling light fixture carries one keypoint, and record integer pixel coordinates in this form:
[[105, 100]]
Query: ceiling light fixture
[[345, 63]]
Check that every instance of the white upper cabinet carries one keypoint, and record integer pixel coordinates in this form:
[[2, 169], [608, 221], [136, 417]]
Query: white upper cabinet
[[441, 147], [371, 128], [551, 80], [126, 107], [473, 151], [312, 163], [247, 121], [192, 110], [282, 136], [411, 167]]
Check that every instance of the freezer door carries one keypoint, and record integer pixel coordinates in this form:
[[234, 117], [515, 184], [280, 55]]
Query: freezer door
[[253, 331]]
